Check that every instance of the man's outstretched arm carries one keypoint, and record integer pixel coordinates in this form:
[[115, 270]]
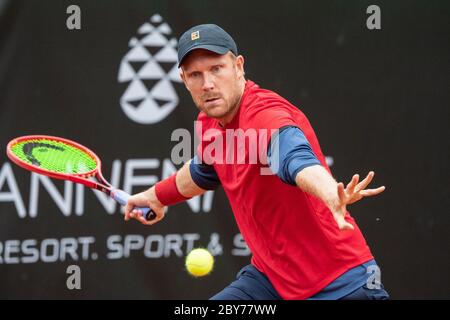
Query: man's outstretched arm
[[319, 182], [292, 159]]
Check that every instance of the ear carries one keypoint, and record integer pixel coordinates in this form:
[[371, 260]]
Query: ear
[[240, 65], [183, 77]]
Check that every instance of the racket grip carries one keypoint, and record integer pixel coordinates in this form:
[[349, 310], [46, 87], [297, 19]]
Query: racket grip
[[122, 197]]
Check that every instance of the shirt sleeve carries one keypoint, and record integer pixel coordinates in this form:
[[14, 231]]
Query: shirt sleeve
[[289, 152], [203, 174]]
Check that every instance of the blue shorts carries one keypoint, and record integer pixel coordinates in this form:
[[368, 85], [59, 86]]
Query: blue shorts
[[250, 284]]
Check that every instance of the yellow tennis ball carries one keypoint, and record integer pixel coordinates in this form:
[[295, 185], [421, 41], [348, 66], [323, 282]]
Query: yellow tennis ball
[[199, 262]]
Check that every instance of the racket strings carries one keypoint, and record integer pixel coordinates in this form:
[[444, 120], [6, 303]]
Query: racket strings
[[55, 156]]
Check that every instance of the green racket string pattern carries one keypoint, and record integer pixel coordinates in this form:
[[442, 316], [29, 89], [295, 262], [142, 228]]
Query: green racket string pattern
[[55, 156]]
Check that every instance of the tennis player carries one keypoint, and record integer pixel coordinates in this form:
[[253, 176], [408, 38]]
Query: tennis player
[[304, 243]]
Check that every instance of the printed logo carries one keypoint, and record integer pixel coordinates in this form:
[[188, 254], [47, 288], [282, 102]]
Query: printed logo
[[195, 35], [150, 68]]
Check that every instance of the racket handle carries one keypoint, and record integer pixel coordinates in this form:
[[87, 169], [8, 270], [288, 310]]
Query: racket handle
[[122, 197]]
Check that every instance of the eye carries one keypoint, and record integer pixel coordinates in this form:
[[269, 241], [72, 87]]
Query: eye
[[195, 74], [216, 68]]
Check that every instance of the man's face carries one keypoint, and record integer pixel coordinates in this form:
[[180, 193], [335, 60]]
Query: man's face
[[214, 81]]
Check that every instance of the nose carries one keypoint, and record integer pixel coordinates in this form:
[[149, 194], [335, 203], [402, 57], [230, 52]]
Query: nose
[[208, 83]]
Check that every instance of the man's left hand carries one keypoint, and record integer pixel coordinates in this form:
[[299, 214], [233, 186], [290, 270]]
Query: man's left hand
[[353, 192]]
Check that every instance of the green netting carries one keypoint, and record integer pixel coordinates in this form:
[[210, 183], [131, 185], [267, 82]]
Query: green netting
[[54, 156]]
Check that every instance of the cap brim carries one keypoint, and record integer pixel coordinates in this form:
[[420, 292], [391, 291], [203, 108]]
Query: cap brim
[[209, 47]]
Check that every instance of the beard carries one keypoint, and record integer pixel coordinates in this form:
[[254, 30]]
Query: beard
[[218, 110], [222, 108]]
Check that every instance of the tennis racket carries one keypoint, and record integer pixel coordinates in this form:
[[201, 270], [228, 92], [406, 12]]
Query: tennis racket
[[66, 160]]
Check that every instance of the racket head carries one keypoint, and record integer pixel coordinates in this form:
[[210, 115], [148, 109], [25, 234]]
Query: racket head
[[55, 157]]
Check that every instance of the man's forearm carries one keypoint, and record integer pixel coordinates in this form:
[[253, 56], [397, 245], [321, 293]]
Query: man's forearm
[[177, 188], [185, 184], [317, 181]]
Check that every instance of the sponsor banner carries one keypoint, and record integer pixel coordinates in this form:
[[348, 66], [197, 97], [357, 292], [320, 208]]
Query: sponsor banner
[[105, 74]]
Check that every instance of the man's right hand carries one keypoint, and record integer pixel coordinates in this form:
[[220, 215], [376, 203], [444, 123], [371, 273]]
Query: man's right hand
[[144, 199]]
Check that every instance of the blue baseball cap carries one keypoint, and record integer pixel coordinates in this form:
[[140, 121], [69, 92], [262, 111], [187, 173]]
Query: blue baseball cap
[[205, 36]]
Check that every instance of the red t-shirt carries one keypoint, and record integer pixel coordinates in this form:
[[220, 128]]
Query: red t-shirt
[[292, 235]]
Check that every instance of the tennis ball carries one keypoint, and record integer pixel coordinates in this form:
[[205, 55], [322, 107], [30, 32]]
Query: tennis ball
[[199, 262]]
